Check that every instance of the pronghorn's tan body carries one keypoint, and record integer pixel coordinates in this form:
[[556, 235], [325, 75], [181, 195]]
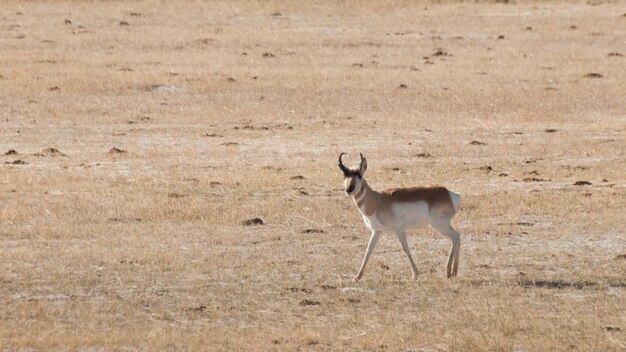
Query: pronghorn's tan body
[[403, 208], [399, 209]]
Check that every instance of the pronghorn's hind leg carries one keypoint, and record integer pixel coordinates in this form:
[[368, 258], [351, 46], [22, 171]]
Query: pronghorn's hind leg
[[441, 223], [405, 246], [457, 250], [370, 249]]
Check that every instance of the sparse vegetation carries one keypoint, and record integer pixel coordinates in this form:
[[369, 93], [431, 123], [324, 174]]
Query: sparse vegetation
[[168, 175]]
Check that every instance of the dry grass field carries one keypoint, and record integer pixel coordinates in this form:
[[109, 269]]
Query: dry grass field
[[137, 137]]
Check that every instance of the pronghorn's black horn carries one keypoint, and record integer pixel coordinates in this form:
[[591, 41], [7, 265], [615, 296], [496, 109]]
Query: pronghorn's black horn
[[343, 168], [363, 165]]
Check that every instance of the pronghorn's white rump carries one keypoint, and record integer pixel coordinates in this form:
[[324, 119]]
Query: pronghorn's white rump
[[399, 209], [456, 201]]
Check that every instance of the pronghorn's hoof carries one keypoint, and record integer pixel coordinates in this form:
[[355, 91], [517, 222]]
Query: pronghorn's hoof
[[414, 278], [356, 278]]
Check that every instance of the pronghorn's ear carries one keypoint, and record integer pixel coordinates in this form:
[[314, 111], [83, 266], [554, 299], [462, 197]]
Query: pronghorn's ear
[[363, 166]]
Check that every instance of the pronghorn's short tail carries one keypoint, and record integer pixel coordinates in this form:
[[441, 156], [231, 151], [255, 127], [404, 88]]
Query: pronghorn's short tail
[[456, 201]]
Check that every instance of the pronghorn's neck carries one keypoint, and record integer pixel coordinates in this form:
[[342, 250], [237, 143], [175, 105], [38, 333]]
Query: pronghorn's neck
[[366, 199], [362, 193]]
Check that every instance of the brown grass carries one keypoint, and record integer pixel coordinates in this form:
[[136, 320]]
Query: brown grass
[[174, 123]]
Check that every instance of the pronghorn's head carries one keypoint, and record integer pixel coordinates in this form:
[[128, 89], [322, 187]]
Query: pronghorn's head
[[353, 178]]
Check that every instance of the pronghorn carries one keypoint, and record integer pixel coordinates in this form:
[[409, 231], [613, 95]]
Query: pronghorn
[[398, 209]]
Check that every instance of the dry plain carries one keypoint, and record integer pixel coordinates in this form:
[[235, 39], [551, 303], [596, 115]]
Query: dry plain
[[146, 133]]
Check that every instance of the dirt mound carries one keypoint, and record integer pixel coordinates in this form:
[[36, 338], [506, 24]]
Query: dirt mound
[[176, 195], [51, 152], [307, 302], [313, 231], [253, 222], [16, 162], [164, 88], [115, 150]]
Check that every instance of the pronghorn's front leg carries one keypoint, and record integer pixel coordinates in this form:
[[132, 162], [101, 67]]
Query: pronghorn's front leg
[[405, 245], [370, 249]]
